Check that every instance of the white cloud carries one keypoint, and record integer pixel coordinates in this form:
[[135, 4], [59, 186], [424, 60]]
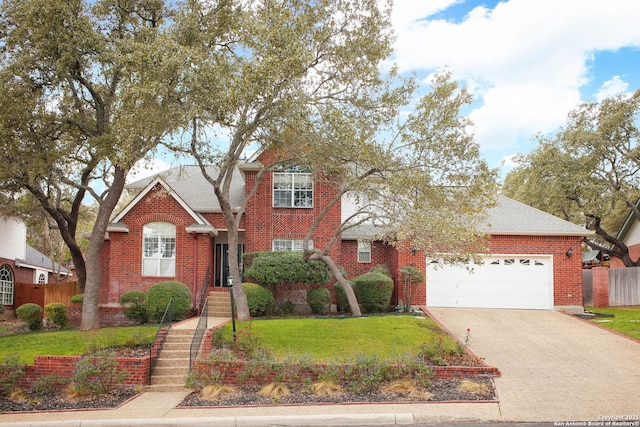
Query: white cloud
[[525, 60], [612, 87]]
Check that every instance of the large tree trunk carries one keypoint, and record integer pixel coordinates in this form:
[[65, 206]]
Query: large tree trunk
[[90, 308], [348, 290], [242, 305]]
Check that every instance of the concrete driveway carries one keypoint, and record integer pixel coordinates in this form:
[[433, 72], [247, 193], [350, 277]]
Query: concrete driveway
[[554, 367]]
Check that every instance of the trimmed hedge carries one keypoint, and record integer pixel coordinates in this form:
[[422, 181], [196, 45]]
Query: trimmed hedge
[[57, 313], [373, 291], [260, 299], [318, 300], [273, 268], [132, 306], [31, 314], [158, 296]]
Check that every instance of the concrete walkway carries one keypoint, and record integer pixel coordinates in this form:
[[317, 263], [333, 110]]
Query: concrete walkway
[[554, 368]]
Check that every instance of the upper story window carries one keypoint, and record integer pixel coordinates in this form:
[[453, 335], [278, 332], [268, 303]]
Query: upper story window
[[364, 251], [6, 285], [294, 245], [159, 249], [293, 188]]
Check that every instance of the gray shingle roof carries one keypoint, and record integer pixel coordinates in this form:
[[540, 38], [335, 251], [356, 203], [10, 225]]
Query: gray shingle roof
[[193, 188], [514, 218], [35, 258]]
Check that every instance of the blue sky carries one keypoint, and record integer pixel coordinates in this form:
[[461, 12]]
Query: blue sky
[[527, 62]]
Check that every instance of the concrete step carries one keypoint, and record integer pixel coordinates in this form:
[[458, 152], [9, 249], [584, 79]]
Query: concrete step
[[176, 346], [179, 338], [175, 380], [163, 371], [165, 363], [164, 388], [174, 332], [174, 354], [219, 313]]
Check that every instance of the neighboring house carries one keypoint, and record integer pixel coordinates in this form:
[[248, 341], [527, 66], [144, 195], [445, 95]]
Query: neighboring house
[[630, 234], [173, 230], [20, 263]]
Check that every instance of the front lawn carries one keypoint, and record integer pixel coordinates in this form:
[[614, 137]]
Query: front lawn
[[626, 320], [337, 339], [73, 342]]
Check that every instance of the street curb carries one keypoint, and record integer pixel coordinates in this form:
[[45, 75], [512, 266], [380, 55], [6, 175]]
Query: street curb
[[248, 421]]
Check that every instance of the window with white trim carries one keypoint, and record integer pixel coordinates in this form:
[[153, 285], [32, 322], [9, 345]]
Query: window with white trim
[[293, 245], [42, 278], [364, 251], [6, 285], [159, 249], [293, 188]]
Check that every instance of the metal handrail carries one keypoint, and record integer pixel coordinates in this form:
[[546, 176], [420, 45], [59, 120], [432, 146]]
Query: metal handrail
[[197, 336], [205, 289], [156, 345]]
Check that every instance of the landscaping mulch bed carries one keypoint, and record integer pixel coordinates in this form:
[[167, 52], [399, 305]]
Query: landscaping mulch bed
[[33, 402], [441, 390]]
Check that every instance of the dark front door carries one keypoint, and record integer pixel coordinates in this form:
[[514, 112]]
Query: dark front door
[[222, 263]]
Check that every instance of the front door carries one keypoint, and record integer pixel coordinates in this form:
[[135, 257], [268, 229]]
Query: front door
[[222, 263]]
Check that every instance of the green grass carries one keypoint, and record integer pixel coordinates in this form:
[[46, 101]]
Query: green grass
[[626, 320], [338, 339], [71, 342]]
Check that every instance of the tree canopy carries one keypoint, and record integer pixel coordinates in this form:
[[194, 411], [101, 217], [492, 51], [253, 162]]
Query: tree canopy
[[87, 91], [589, 172]]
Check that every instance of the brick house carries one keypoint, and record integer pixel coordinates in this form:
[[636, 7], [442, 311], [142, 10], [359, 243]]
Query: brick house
[[21, 263], [173, 230]]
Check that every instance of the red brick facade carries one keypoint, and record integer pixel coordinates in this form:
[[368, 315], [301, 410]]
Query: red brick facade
[[196, 254]]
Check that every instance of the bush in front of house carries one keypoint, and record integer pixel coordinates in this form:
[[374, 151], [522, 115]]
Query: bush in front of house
[[11, 372], [132, 306], [373, 291], [260, 299], [318, 300], [31, 314], [57, 313], [77, 299], [276, 268], [158, 296]]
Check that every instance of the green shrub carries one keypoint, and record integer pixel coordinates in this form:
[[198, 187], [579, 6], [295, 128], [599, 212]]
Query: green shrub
[[98, 374], [132, 306], [57, 313], [11, 371], [49, 385], [287, 308], [373, 291], [260, 299], [318, 299], [158, 297], [77, 299], [273, 268], [31, 314]]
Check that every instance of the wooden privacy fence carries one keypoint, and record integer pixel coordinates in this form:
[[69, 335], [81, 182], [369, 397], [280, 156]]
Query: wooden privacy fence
[[623, 287], [61, 292], [45, 294]]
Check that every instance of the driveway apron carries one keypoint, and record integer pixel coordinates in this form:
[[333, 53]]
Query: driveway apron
[[554, 366]]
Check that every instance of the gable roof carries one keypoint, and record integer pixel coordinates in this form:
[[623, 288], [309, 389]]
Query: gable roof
[[188, 182], [35, 259], [510, 217], [201, 225]]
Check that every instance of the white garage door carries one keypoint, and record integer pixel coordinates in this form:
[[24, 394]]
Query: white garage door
[[510, 281]]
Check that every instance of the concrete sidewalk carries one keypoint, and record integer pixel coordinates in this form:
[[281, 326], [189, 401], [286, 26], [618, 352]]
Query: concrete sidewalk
[[554, 368]]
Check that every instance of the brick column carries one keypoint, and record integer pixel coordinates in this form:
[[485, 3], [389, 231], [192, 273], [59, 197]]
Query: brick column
[[600, 287]]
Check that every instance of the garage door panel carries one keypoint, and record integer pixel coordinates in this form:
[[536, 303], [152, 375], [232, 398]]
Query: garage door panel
[[501, 282]]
